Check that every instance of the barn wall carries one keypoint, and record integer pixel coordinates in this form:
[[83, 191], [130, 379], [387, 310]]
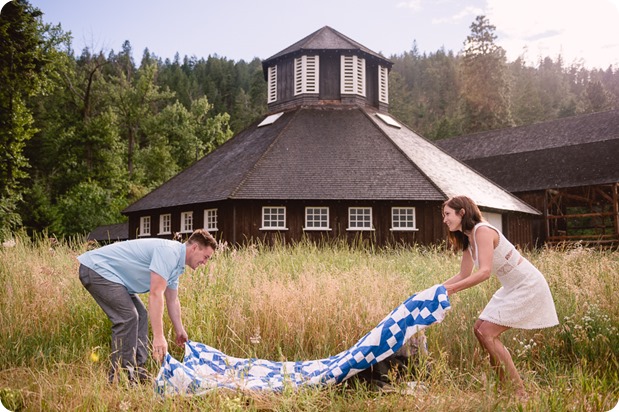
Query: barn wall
[[536, 199], [248, 214], [518, 229], [240, 221]]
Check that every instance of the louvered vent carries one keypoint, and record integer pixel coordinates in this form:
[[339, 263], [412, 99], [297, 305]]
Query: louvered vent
[[306, 74], [272, 84], [383, 84], [353, 75]]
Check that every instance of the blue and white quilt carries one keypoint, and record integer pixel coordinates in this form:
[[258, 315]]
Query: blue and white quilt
[[205, 368]]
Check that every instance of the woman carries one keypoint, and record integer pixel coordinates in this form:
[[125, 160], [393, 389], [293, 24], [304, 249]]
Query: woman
[[524, 300]]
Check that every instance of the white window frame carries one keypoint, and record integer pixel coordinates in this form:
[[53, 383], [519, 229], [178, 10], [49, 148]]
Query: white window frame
[[383, 84], [402, 211], [165, 220], [353, 219], [272, 84], [210, 220], [495, 219], [352, 78], [145, 226], [268, 212], [313, 212], [186, 222], [306, 74]]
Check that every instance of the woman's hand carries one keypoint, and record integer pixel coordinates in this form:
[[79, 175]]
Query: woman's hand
[[450, 289]]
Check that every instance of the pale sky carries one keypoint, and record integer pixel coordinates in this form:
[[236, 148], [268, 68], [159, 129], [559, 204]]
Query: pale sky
[[582, 31]]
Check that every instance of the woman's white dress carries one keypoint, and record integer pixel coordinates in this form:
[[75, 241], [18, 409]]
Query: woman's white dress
[[524, 301]]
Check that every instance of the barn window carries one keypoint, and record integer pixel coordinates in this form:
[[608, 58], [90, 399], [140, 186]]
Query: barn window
[[186, 222], [210, 220], [316, 218], [272, 84], [383, 84], [273, 217], [403, 218], [144, 226], [306, 74], [352, 80], [360, 218], [165, 224]]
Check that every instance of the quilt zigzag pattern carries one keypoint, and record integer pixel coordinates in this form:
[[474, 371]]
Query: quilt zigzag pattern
[[205, 368]]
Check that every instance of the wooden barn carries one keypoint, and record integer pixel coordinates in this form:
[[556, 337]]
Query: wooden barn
[[327, 161], [566, 168]]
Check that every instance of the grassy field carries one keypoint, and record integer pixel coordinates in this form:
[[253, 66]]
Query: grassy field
[[307, 302]]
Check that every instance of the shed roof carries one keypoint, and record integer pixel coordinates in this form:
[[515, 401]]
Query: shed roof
[[330, 153], [568, 152], [110, 233]]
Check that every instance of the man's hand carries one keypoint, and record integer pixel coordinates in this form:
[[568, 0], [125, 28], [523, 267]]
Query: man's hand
[[160, 348], [181, 337]]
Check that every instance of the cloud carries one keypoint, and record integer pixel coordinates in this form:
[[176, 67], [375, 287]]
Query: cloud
[[459, 16], [411, 4], [542, 35], [582, 31]]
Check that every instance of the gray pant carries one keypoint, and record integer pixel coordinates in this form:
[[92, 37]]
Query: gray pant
[[129, 320]]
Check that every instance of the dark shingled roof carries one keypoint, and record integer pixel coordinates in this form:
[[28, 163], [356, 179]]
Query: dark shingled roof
[[110, 233], [327, 39], [569, 152], [217, 175], [327, 152], [335, 154]]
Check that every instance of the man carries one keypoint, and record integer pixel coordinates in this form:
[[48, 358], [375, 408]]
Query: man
[[116, 273]]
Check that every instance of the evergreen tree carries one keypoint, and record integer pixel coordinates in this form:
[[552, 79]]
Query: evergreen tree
[[28, 59], [526, 104], [485, 84]]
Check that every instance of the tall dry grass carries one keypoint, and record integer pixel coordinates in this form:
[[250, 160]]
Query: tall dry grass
[[308, 302]]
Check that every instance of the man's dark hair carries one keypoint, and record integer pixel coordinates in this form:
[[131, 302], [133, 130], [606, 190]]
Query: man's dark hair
[[203, 238]]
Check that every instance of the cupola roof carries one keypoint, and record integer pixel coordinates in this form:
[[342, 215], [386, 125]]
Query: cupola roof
[[325, 39]]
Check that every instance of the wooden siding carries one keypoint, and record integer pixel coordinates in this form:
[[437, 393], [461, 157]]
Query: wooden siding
[[538, 223], [517, 229], [330, 76], [285, 80], [371, 83], [329, 85], [240, 222], [246, 219]]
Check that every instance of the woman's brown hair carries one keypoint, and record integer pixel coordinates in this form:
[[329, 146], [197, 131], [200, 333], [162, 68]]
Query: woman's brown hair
[[472, 216]]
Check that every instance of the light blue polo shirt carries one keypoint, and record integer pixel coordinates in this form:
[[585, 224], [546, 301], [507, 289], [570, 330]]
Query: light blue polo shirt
[[130, 262]]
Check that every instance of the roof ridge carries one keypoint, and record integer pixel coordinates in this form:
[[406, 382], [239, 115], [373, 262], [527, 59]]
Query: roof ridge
[[536, 124], [517, 204], [398, 148]]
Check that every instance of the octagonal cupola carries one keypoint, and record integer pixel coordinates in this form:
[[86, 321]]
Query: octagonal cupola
[[327, 68]]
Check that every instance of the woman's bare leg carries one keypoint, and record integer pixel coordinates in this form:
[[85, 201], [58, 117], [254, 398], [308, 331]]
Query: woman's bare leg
[[487, 334]]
